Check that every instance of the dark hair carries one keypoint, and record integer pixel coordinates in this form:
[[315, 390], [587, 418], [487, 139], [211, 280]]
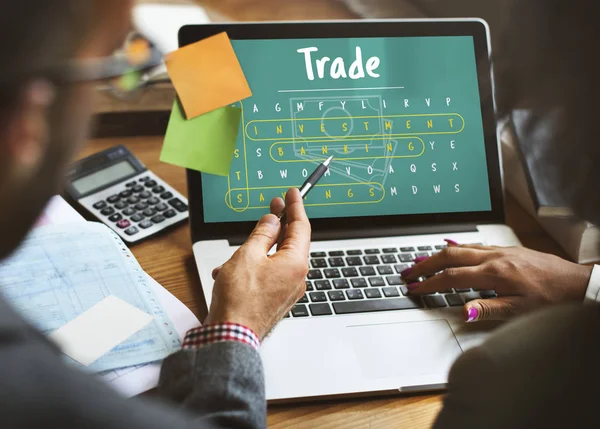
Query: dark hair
[[546, 62]]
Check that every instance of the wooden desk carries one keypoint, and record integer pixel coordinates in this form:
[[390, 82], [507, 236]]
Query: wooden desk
[[168, 259]]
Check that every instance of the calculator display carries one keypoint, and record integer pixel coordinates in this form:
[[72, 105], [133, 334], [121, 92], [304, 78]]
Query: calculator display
[[103, 177]]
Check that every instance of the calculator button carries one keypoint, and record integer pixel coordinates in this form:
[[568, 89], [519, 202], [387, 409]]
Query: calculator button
[[149, 212], [133, 200], [146, 224], [153, 201], [150, 184], [125, 194], [144, 194], [116, 217], [121, 205], [107, 211], [144, 179], [169, 213], [160, 207], [130, 184], [131, 231], [137, 217], [158, 189], [178, 205], [166, 195], [128, 211], [158, 218], [123, 223], [113, 199], [100, 205], [141, 206], [137, 188]]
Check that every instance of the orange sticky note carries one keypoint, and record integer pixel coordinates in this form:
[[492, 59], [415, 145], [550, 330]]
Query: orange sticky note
[[207, 75]]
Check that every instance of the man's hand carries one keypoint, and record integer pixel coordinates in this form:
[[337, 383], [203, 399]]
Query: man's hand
[[523, 279], [256, 290]]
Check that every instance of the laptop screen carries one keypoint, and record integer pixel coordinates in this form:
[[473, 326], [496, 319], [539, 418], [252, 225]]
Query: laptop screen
[[401, 116]]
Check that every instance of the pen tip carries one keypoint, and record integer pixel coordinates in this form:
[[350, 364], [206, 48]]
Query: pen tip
[[328, 161]]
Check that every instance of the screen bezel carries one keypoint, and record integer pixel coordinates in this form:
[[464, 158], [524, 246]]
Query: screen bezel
[[377, 225]]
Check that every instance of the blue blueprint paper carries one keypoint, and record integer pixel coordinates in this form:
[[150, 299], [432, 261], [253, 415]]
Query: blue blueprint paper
[[60, 271]]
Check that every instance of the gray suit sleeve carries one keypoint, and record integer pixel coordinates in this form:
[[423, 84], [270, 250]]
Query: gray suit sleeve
[[539, 371]]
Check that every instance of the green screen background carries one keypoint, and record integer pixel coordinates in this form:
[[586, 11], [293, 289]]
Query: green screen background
[[434, 68]]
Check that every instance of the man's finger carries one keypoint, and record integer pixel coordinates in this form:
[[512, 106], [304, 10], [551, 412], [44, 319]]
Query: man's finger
[[216, 272], [277, 206], [297, 234], [450, 257], [495, 309], [264, 235], [452, 278]]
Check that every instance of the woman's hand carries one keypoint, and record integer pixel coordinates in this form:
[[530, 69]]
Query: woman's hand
[[522, 278]]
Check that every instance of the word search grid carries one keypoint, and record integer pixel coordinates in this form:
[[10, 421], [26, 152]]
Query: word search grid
[[401, 116]]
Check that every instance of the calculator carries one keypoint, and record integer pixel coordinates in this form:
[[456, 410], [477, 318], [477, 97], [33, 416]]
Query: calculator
[[117, 189]]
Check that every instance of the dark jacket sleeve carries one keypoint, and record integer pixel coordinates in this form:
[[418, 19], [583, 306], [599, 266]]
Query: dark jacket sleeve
[[218, 386]]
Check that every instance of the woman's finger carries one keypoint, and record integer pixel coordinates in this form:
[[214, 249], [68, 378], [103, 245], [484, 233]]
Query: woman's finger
[[495, 309], [451, 257]]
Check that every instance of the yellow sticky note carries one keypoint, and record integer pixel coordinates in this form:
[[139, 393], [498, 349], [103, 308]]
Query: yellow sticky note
[[207, 75]]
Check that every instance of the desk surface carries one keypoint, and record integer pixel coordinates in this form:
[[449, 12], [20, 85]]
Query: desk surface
[[168, 259]]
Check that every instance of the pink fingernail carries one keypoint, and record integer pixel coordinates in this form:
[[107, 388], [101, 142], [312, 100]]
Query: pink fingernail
[[420, 259], [413, 286], [472, 313], [451, 242], [406, 272]]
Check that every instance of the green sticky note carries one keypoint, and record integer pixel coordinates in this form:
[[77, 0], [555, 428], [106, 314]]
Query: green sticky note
[[204, 143]]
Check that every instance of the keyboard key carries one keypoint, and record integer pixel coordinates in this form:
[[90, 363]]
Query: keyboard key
[[323, 285], [144, 195], [158, 218], [434, 301], [132, 231], [359, 282], [372, 252], [166, 195], [454, 300], [348, 307], [385, 270], [116, 217], [121, 205], [107, 211], [470, 296], [376, 281], [318, 297], [320, 309], [390, 250], [125, 194], [487, 294], [146, 224], [350, 272], [336, 262], [336, 253], [178, 205], [144, 179], [332, 273], [390, 292], [128, 211], [309, 286], [137, 188], [160, 207], [354, 261], [424, 248], [407, 249], [318, 263], [133, 200], [113, 199], [149, 212], [421, 255], [137, 217], [158, 190], [394, 280], [300, 311], [406, 257], [371, 260], [341, 284], [314, 274], [440, 247], [318, 254], [403, 289], [400, 267], [388, 259], [354, 294], [141, 206], [462, 290], [123, 223], [130, 184], [354, 252], [336, 295], [99, 205], [303, 300], [367, 271], [153, 201], [169, 213], [372, 293], [150, 184]]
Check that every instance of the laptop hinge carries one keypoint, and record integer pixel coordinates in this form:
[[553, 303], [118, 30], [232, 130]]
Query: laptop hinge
[[379, 232]]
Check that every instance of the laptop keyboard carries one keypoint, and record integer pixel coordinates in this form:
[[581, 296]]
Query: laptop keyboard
[[367, 280]]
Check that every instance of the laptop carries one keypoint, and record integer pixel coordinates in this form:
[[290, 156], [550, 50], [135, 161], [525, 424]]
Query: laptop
[[406, 108]]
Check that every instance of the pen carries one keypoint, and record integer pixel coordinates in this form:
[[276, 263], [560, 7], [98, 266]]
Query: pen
[[310, 183]]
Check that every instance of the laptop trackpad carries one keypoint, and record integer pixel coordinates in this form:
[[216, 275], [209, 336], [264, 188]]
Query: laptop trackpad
[[409, 348]]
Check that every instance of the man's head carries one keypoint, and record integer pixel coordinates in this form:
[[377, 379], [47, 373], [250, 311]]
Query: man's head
[[42, 122]]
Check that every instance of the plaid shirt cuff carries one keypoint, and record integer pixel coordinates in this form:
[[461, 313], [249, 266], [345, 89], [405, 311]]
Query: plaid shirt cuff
[[209, 334]]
